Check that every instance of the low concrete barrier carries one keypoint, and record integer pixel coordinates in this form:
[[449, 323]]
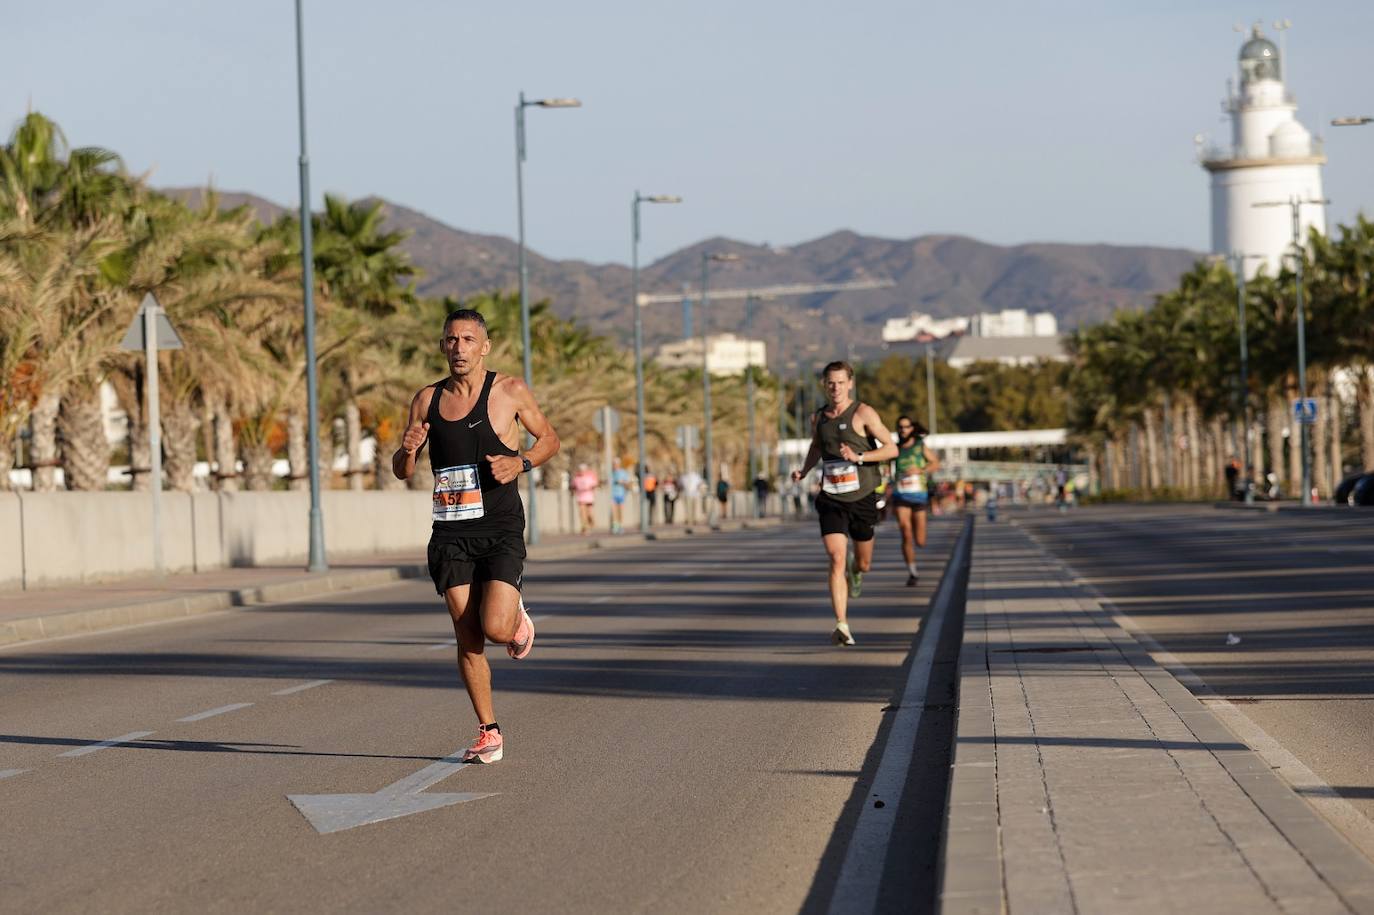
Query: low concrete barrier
[[58, 538]]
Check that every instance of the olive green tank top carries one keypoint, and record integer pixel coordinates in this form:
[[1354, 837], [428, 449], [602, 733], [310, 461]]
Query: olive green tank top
[[841, 480]]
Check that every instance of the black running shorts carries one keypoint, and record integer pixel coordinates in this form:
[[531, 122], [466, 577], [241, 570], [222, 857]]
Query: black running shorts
[[464, 560], [853, 519]]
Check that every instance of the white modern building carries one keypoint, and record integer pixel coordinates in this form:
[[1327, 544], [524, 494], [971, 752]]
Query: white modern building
[[1010, 322], [965, 351], [1013, 322], [726, 354], [918, 324], [1271, 159]]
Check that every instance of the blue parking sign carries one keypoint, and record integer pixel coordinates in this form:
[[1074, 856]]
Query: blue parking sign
[[1305, 410]]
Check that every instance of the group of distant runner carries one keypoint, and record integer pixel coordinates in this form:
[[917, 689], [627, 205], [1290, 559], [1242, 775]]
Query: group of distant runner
[[471, 422]]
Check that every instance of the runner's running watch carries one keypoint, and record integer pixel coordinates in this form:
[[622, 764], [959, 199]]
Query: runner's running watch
[[526, 462]]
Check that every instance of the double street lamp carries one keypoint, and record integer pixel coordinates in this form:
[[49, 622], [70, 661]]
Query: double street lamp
[[707, 467], [1295, 204], [524, 290], [641, 470]]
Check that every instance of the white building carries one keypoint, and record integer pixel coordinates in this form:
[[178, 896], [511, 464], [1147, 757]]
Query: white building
[[1014, 322], [727, 354], [1271, 158], [1027, 350], [918, 324]]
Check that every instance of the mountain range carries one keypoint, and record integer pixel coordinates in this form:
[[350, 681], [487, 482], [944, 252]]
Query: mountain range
[[941, 275]]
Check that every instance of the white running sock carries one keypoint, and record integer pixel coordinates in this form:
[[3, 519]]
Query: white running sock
[[911, 569]]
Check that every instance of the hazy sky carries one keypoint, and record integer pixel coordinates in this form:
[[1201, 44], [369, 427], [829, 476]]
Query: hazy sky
[[777, 120]]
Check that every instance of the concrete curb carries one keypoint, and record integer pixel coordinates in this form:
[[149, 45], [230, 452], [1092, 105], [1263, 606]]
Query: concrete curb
[[99, 619], [1290, 507]]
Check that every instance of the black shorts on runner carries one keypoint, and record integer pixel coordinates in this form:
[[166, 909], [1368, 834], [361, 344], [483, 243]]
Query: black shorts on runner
[[853, 519], [464, 560]]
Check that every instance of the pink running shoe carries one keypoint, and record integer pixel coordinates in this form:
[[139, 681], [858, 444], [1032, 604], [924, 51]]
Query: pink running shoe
[[523, 643], [487, 749]]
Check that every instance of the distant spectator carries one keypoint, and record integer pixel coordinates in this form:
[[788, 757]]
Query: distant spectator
[[650, 485], [669, 498], [584, 484], [760, 494]]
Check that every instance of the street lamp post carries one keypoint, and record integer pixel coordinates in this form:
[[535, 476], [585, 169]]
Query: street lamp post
[[639, 345], [533, 534], [749, 380], [1295, 205], [930, 386], [1239, 259], [706, 455], [312, 396]]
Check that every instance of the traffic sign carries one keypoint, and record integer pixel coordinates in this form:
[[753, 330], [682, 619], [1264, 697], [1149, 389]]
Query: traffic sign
[[135, 338], [1305, 410], [607, 416]]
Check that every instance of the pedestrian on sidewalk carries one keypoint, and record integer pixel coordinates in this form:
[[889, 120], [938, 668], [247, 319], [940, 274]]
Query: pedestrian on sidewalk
[[584, 484], [760, 494], [472, 422], [845, 442], [620, 489], [670, 493], [650, 492]]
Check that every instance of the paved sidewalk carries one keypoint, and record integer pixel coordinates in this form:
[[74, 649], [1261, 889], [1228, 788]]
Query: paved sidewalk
[[75, 609], [1087, 779]]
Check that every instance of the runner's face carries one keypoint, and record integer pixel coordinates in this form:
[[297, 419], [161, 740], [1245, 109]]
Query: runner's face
[[465, 345], [906, 431], [838, 386]]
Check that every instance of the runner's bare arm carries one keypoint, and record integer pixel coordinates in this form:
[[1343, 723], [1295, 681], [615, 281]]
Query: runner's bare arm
[[813, 454], [873, 427], [932, 462], [546, 443], [417, 432]]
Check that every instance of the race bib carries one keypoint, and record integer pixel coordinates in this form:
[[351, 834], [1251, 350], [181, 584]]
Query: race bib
[[838, 477], [458, 494], [912, 483]]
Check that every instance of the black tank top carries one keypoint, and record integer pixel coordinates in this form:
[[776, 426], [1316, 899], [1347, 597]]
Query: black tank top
[[833, 433], [468, 441]]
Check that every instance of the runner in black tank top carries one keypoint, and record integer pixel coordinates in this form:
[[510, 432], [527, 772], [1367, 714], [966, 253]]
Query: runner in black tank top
[[477, 547], [850, 442]]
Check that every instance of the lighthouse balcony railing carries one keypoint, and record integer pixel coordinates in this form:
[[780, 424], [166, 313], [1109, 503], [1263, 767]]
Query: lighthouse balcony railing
[[1229, 153]]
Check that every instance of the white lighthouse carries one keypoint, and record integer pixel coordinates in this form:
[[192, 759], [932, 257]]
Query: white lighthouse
[[1272, 158]]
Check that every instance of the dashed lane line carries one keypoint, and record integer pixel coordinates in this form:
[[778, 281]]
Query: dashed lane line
[[302, 687], [223, 709], [104, 744], [10, 773]]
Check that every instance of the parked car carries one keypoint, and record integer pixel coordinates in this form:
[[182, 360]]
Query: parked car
[[1363, 492], [1343, 491]]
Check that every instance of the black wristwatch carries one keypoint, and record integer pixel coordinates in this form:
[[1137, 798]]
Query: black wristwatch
[[526, 462]]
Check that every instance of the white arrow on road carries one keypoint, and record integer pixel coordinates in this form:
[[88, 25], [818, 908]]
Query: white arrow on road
[[337, 812]]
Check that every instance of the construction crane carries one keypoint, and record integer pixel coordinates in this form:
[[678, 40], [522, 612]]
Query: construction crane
[[768, 292]]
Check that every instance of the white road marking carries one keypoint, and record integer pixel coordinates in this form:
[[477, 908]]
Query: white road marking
[[600, 600], [103, 744], [337, 812], [856, 889], [9, 773], [451, 643], [301, 688], [201, 716]]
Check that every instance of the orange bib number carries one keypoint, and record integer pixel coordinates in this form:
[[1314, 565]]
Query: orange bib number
[[839, 477], [458, 494]]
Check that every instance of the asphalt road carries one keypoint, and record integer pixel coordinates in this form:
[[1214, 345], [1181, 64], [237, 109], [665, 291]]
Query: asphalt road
[[1295, 589], [684, 737]]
